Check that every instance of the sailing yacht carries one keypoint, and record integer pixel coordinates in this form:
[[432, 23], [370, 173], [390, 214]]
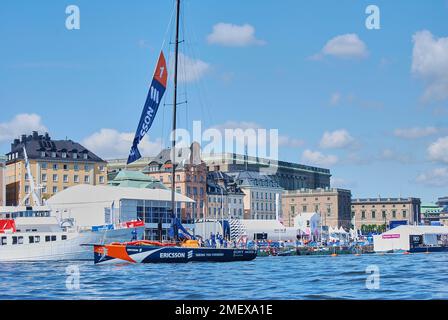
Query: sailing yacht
[[183, 246]]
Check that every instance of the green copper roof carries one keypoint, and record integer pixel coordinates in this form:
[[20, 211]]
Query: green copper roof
[[135, 179]]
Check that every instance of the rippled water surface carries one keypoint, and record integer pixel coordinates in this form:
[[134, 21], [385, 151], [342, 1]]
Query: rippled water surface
[[415, 276]]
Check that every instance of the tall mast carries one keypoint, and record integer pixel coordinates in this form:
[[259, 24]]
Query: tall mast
[[173, 149]]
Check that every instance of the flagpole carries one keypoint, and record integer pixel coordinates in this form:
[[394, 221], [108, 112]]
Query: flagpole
[[173, 162]]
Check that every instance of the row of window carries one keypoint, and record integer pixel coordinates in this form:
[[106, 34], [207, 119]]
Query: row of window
[[64, 155], [188, 178], [305, 198], [259, 195], [383, 214], [316, 208], [262, 206], [218, 200], [65, 178], [16, 240], [217, 211], [383, 206], [55, 166]]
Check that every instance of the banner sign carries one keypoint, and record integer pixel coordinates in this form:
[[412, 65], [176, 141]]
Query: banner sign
[[155, 94]]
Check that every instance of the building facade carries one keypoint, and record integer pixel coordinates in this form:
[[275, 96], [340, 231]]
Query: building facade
[[430, 213], [224, 197], [288, 175], [443, 201], [54, 164], [333, 206], [262, 195], [2, 181], [381, 211], [191, 177]]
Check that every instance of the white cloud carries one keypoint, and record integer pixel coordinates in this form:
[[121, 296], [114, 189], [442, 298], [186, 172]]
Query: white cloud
[[189, 69], [109, 144], [392, 155], [335, 98], [232, 35], [318, 159], [336, 139], [438, 150], [416, 132], [23, 123], [344, 46], [434, 178], [430, 63]]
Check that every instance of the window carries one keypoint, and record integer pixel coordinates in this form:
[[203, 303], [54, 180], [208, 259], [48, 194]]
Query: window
[[384, 214], [304, 209], [101, 179], [36, 239], [76, 167], [55, 178], [86, 167], [42, 154], [394, 213], [101, 168], [85, 156], [87, 179], [178, 177], [55, 189], [64, 155], [47, 238], [4, 241], [76, 178], [363, 214], [27, 189], [63, 237], [44, 177], [44, 165], [373, 214], [44, 189], [55, 166], [53, 238], [404, 213], [30, 239], [65, 166], [53, 154], [65, 178], [75, 155]]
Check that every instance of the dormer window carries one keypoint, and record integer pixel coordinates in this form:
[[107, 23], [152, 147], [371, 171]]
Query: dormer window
[[85, 156], [75, 156], [53, 154], [64, 155], [42, 154]]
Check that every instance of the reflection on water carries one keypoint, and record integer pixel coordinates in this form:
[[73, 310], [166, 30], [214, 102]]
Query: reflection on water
[[415, 276]]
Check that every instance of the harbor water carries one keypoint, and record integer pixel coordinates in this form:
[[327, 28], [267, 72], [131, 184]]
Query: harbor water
[[396, 276]]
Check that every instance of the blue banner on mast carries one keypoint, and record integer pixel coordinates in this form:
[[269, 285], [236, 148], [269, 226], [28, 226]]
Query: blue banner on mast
[[155, 94]]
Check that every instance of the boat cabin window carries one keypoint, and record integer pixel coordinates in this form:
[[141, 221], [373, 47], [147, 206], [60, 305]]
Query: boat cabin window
[[3, 241], [64, 237], [53, 238], [17, 240], [31, 239], [37, 239], [20, 240], [47, 238]]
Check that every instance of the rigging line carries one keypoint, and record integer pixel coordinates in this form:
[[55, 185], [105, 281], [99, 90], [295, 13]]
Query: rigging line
[[187, 124]]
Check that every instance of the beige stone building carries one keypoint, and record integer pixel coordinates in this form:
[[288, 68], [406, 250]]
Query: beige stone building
[[381, 211], [55, 165], [191, 177], [333, 205]]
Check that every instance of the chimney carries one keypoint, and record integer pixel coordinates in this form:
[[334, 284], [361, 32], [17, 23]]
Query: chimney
[[47, 136], [35, 135], [23, 138]]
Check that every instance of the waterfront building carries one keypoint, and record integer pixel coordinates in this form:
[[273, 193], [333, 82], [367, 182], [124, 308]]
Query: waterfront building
[[262, 195], [191, 176], [55, 165], [430, 213], [135, 179], [2, 181], [443, 201], [224, 194], [332, 204], [89, 206], [382, 211], [288, 175]]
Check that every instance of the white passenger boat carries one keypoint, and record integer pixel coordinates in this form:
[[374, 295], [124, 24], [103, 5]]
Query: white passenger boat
[[33, 234]]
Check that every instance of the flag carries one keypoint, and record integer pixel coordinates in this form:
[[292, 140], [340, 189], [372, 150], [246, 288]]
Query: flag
[[155, 94]]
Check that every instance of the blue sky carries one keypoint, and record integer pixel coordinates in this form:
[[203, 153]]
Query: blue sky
[[371, 105]]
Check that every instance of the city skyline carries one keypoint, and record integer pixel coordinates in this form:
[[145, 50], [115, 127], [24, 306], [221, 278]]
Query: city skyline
[[370, 105]]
